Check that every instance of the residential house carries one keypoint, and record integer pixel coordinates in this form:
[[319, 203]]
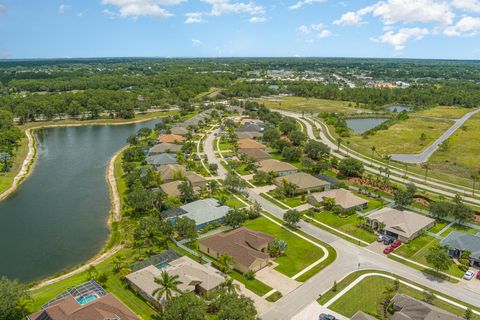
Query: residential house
[[250, 131], [181, 131], [171, 138], [194, 277], [250, 144], [86, 301], [161, 159], [248, 248], [344, 198], [204, 212], [171, 188], [280, 168], [172, 172], [408, 308], [197, 180], [459, 242], [249, 135], [401, 225], [305, 182], [360, 315], [164, 147], [255, 154]]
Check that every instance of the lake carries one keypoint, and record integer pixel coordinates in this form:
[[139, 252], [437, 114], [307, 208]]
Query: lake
[[57, 218], [364, 124]]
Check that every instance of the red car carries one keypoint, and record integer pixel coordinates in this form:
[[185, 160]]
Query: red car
[[396, 244], [478, 275], [388, 250]]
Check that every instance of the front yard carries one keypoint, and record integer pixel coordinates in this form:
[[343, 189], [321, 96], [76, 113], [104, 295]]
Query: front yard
[[347, 225]]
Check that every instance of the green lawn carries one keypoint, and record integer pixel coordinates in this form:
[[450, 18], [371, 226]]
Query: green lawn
[[300, 104], [275, 201], [223, 145], [254, 285], [417, 250], [439, 225], [299, 254], [274, 296], [231, 201], [460, 228], [347, 225], [443, 112], [356, 299], [289, 201], [114, 285]]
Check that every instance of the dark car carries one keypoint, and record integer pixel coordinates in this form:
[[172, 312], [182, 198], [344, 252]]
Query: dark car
[[388, 241], [325, 316]]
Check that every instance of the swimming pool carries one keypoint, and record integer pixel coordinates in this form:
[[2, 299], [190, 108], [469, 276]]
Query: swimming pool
[[161, 266], [86, 299]]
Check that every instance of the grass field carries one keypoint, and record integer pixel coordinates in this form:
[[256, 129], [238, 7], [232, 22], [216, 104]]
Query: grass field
[[418, 248], [299, 254], [356, 299], [347, 225], [461, 157], [403, 137], [300, 104], [443, 112]]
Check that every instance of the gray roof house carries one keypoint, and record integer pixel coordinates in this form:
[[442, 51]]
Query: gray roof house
[[204, 212], [458, 242], [181, 131], [409, 308], [161, 159], [164, 147]]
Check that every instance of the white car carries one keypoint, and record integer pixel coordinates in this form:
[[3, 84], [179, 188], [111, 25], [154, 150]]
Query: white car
[[468, 275]]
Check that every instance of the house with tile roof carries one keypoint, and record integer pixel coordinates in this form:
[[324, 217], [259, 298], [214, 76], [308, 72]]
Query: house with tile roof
[[171, 138], [161, 159], [280, 168], [248, 248], [305, 182], [255, 154], [171, 172], [402, 225], [344, 198], [250, 144], [164, 147]]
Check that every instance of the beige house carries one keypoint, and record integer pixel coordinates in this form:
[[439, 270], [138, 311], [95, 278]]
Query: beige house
[[248, 248], [401, 225], [194, 277], [255, 154], [344, 198], [172, 172], [305, 182], [197, 181], [280, 168], [181, 131], [250, 144], [171, 138], [164, 147]]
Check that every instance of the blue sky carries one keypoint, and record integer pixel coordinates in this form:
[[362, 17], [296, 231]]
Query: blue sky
[[215, 28]]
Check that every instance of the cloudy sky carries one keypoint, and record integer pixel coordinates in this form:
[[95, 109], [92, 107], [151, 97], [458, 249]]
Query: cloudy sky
[[215, 28]]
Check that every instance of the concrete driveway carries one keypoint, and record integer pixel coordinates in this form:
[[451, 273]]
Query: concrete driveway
[[277, 280], [313, 310]]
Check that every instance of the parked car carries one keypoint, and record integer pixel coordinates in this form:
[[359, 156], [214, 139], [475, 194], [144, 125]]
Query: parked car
[[468, 275], [381, 238], [388, 250], [325, 316], [396, 244], [387, 241], [478, 275]]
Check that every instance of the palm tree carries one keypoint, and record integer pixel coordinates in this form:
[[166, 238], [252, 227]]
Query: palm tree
[[339, 141], [167, 286], [426, 166], [212, 186], [118, 262], [374, 149], [387, 298], [229, 286], [225, 261], [151, 237], [361, 220], [474, 177]]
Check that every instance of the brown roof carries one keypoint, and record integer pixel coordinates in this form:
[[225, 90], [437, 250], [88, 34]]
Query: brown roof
[[171, 188], [344, 198], [168, 171], [194, 177], [165, 147], [106, 307], [256, 154], [240, 244], [303, 180], [250, 144], [171, 138], [272, 165]]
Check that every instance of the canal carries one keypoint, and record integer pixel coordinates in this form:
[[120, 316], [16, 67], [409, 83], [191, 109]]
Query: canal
[[57, 218]]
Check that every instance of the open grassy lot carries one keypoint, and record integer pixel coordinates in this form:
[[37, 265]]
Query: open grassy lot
[[460, 159], [301, 104], [417, 250], [347, 225], [443, 112], [289, 201], [356, 299], [403, 137], [114, 285], [299, 254]]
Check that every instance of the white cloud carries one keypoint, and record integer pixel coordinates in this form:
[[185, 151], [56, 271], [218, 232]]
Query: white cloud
[[137, 8], [349, 19], [63, 7], [398, 40], [194, 17], [325, 34], [81, 13], [257, 19], [196, 42], [467, 5], [220, 7], [467, 26], [304, 29], [301, 3]]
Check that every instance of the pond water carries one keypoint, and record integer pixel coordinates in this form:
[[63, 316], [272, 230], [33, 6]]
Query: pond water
[[399, 108], [364, 124], [57, 219]]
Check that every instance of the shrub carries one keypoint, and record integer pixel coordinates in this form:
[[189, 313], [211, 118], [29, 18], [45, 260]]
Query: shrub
[[250, 275]]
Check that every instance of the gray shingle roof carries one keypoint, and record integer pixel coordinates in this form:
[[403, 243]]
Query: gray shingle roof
[[463, 241], [161, 159]]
